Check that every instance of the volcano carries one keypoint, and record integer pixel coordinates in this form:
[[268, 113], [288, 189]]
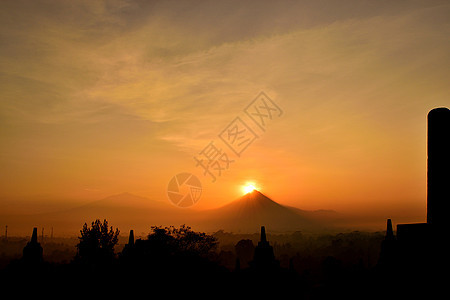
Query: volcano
[[253, 210], [244, 215]]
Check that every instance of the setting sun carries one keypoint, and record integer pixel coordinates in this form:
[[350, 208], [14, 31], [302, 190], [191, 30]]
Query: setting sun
[[248, 188], [277, 147]]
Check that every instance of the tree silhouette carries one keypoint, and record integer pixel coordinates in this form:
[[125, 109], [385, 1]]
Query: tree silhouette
[[96, 243], [171, 252], [193, 242], [171, 240]]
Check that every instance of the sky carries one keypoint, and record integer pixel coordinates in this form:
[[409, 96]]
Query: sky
[[103, 97]]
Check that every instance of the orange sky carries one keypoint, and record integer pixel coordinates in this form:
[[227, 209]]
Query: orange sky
[[107, 97]]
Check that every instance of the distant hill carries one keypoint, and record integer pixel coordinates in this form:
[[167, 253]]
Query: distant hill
[[127, 211], [254, 209]]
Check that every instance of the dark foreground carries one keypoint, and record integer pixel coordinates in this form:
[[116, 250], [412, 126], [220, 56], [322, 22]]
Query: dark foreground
[[173, 262]]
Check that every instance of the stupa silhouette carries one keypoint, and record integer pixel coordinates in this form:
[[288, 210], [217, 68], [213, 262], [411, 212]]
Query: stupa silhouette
[[32, 252], [264, 257]]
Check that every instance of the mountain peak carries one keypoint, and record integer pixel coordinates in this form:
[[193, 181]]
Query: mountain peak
[[257, 196], [255, 201], [255, 192], [255, 209]]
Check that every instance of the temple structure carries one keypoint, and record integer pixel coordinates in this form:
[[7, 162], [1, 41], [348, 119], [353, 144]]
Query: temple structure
[[438, 182], [422, 246], [128, 248], [32, 252], [264, 257]]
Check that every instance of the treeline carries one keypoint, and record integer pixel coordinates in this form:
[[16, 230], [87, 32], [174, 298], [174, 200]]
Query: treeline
[[183, 257]]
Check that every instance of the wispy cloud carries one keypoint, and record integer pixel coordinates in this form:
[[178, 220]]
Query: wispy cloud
[[185, 69]]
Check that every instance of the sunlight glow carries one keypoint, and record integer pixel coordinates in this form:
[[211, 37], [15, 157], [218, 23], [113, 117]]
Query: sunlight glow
[[248, 188]]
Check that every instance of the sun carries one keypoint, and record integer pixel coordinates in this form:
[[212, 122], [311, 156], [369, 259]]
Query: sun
[[248, 188]]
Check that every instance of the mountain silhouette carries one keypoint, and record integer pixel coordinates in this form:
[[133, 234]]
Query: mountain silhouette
[[249, 212], [123, 210], [125, 200], [127, 211]]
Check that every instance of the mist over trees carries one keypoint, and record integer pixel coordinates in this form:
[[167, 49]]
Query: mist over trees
[[313, 266], [309, 261]]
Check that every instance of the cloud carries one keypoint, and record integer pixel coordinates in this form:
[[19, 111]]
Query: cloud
[[166, 60], [186, 69], [341, 67]]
